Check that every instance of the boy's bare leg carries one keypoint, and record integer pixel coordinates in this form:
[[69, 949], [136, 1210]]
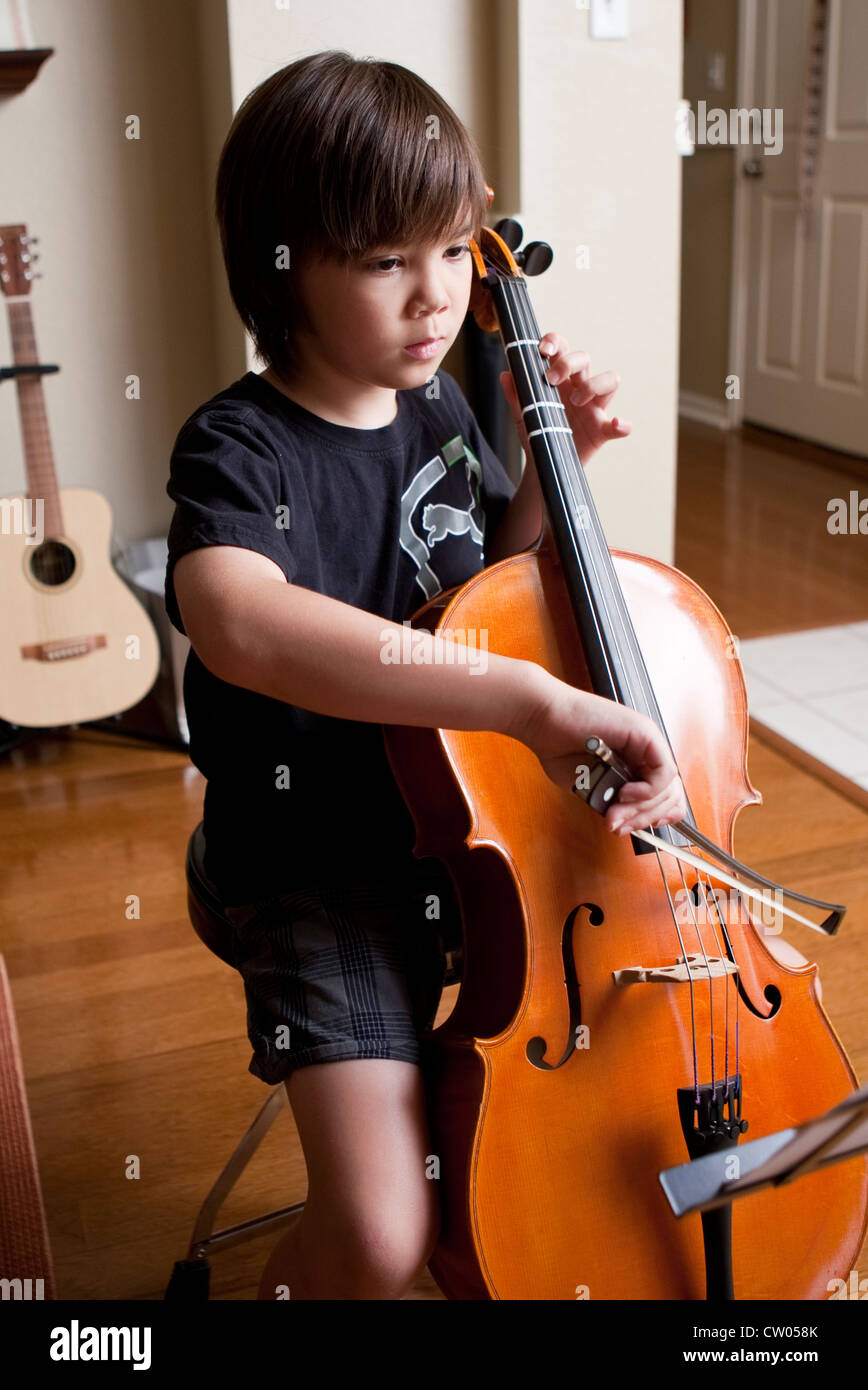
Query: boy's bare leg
[[371, 1218]]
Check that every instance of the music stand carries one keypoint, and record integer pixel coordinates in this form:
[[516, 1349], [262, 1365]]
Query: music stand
[[702, 1185]]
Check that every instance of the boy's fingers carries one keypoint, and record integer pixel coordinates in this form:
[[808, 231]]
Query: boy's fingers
[[662, 810], [635, 794], [550, 344]]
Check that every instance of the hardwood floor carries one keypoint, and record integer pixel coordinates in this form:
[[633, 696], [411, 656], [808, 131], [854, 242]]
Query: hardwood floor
[[133, 1035], [751, 529]]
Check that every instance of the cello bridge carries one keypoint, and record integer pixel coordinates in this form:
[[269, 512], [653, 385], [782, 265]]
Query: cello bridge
[[685, 969]]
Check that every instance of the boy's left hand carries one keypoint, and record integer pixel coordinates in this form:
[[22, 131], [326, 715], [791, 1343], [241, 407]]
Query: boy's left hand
[[585, 397]]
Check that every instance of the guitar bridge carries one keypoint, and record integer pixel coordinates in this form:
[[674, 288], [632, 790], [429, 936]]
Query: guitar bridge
[[63, 649]]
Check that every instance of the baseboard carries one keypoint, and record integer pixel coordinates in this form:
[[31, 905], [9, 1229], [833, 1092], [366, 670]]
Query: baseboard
[[802, 758], [706, 410]]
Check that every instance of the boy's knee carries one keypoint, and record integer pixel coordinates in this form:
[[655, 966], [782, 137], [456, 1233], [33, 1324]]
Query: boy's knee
[[382, 1254]]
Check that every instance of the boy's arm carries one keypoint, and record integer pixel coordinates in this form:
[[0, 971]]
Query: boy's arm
[[253, 629], [521, 523]]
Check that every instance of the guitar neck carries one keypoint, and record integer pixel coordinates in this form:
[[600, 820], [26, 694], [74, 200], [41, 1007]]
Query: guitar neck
[[38, 456]]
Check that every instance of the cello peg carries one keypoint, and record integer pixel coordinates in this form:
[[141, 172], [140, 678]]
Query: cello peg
[[536, 257], [510, 231]]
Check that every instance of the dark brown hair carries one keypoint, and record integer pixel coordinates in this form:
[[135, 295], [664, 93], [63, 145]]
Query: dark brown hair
[[332, 157]]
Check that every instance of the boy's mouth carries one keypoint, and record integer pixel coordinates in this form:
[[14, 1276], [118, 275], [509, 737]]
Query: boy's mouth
[[428, 347]]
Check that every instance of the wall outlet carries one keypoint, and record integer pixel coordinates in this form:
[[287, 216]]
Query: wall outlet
[[608, 19]]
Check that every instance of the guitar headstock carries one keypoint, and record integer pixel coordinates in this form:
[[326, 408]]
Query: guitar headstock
[[16, 260]]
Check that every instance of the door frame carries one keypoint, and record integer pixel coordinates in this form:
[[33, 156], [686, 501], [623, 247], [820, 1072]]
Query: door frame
[[738, 283]]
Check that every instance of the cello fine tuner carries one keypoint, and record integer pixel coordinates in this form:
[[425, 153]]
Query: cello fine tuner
[[685, 969]]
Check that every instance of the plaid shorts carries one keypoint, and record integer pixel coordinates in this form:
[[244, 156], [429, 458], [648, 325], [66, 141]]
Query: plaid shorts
[[339, 972]]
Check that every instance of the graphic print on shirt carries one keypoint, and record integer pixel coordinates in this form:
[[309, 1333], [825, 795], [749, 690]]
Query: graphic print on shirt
[[425, 526]]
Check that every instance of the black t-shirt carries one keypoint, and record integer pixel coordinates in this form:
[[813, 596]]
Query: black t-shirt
[[382, 519]]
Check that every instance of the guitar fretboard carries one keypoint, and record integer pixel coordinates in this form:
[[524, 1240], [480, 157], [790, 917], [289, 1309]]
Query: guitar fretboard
[[38, 456]]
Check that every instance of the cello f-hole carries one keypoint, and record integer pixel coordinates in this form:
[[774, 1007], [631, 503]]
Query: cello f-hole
[[536, 1048]]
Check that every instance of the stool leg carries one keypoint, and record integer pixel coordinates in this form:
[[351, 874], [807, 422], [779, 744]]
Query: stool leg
[[237, 1163], [191, 1277]]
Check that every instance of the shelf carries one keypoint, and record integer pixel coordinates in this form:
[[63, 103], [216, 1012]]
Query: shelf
[[19, 66]]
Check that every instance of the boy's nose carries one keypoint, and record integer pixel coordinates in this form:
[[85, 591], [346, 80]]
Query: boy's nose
[[429, 301], [430, 295]]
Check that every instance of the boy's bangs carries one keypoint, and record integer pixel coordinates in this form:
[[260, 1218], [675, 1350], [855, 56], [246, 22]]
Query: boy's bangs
[[400, 188]]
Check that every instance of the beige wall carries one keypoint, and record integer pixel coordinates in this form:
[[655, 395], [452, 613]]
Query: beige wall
[[122, 227], [595, 163], [447, 44], [578, 135], [599, 167]]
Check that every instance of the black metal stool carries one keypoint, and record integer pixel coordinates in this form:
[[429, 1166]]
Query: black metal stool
[[191, 1276]]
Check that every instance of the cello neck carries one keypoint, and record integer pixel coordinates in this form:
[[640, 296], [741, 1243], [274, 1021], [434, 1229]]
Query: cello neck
[[610, 646]]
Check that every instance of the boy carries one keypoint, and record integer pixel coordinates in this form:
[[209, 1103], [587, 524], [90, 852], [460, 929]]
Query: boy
[[298, 547]]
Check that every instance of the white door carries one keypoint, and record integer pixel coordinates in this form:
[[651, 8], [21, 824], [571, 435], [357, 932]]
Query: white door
[[805, 369]]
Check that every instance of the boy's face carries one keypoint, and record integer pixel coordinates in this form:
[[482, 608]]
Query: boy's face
[[365, 316]]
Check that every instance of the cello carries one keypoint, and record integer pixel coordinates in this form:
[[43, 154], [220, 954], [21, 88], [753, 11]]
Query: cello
[[616, 1015]]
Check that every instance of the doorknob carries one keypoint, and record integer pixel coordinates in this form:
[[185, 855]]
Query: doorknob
[[753, 168]]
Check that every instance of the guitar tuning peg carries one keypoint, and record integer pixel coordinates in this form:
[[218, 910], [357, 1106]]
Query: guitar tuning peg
[[30, 240], [33, 275]]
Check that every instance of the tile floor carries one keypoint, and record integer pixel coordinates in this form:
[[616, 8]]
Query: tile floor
[[812, 688]]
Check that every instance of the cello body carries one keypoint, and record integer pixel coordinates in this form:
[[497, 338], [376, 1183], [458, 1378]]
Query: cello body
[[553, 1090]]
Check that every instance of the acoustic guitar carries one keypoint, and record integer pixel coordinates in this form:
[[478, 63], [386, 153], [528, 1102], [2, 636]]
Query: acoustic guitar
[[75, 643]]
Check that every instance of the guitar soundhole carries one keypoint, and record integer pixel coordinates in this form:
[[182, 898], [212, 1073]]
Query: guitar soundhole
[[52, 563]]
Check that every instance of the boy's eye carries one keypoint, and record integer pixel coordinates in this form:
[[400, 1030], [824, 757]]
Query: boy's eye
[[454, 253]]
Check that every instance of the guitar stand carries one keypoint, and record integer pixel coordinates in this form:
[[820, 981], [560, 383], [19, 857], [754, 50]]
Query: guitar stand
[[30, 369]]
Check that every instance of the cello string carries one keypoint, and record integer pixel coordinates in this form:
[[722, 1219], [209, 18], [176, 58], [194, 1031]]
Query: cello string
[[705, 896], [708, 891], [689, 898], [544, 395], [529, 331], [743, 906], [609, 593], [614, 590]]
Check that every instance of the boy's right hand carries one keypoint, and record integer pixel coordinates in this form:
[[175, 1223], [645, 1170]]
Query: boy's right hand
[[555, 728]]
